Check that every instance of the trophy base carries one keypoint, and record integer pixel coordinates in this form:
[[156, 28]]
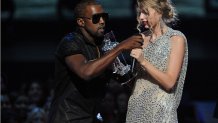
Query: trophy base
[[131, 80], [127, 80]]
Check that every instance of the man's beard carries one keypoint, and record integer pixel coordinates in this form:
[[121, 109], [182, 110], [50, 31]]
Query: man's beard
[[99, 38]]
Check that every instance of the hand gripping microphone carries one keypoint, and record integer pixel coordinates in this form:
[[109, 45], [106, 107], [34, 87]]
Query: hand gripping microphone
[[142, 30]]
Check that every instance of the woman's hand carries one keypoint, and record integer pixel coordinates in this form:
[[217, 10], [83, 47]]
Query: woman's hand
[[137, 54]]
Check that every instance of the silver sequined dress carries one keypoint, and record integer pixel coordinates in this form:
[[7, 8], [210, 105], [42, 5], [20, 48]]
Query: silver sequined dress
[[149, 103]]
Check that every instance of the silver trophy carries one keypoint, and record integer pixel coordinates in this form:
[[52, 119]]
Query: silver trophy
[[120, 66]]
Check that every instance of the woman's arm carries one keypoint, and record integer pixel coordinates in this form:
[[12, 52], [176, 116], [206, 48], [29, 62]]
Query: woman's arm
[[165, 79]]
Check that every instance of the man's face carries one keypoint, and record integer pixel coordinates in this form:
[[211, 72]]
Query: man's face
[[21, 105], [35, 92], [94, 20]]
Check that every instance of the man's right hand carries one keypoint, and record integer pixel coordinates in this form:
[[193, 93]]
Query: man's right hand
[[135, 41]]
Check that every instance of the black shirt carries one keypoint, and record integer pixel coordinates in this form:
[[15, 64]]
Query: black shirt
[[74, 97]]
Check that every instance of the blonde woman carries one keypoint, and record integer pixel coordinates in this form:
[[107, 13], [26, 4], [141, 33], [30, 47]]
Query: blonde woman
[[162, 64]]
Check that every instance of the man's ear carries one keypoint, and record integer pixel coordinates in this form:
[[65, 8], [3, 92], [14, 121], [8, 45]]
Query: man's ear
[[80, 22]]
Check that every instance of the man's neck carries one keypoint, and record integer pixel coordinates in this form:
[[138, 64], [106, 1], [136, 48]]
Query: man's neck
[[88, 36]]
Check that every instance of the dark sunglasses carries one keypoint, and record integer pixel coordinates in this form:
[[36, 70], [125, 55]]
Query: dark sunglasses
[[96, 17]]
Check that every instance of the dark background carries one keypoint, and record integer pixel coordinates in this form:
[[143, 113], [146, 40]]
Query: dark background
[[30, 33]]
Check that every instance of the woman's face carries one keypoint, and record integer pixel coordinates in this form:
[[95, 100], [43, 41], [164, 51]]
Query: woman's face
[[149, 18]]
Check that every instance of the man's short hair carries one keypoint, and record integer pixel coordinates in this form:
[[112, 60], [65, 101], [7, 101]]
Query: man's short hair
[[79, 8]]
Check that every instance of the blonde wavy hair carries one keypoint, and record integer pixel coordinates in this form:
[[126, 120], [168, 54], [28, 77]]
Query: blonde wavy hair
[[165, 7]]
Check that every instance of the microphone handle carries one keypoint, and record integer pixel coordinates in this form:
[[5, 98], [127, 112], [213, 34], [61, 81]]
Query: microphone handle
[[145, 31], [133, 65]]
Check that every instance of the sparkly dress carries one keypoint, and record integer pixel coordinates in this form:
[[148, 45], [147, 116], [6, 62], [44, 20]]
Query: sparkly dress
[[149, 103]]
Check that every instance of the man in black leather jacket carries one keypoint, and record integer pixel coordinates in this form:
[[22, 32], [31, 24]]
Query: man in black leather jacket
[[81, 70]]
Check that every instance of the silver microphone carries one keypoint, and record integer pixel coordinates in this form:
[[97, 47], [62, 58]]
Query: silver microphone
[[142, 30]]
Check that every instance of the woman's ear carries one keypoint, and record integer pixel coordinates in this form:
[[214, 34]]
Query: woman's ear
[[80, 22]]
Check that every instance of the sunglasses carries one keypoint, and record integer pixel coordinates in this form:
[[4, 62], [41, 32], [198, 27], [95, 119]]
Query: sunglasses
[[96, 17]]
